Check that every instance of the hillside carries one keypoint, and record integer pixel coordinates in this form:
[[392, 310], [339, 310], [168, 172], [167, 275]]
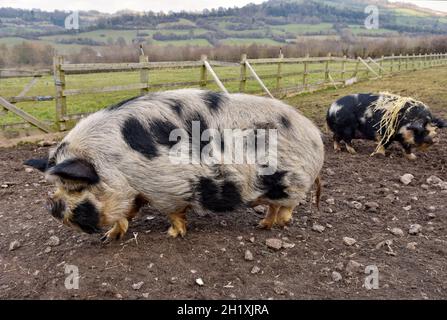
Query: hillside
[[273, 22]]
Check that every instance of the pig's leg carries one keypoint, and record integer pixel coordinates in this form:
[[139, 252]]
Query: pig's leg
[[337, 146], [120, 227], [270, 217], [118, 230], [409, 152], [178, 224], [349, 147], [284, 216]]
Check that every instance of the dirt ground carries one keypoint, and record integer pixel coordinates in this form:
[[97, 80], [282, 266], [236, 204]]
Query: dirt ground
[[149, 265], [215, 245]]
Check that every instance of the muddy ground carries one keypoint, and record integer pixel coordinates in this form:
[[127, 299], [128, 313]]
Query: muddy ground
[[149, 265], [214, 248]]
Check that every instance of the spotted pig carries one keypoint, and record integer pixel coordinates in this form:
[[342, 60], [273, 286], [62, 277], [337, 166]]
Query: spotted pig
[[118, 159], [354, 117]]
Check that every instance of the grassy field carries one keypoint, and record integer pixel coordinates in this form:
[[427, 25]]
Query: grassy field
[[243, 36], [93, 102], [303, 28]]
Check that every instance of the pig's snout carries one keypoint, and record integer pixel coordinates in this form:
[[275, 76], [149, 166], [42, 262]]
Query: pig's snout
[[55, 207]]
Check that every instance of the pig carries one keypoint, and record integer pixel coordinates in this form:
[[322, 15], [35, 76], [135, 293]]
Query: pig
[[354, 117], [118, 159]]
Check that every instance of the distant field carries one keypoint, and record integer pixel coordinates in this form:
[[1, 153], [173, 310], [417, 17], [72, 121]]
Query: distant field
[[242, 41], [303, 28], [244, 37], [356, 29], [411, 12]]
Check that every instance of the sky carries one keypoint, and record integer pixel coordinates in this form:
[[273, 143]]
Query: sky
[[111, 6]]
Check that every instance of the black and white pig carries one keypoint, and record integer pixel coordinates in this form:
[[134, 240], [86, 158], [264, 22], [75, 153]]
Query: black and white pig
[[354, 117], [118, 159]]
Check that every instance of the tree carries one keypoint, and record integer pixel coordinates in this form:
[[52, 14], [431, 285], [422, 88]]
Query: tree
[[121, 42]]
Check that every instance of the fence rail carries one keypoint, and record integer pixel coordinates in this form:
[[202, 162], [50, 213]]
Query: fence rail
[[272, 77]]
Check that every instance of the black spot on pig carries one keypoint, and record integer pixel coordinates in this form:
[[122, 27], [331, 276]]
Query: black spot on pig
[[176, 106], [161, 129], [284, 120], [196, 119], [273, 185], [219, 196], [213, 100], [121, 104], [86, 216], [139, 138]]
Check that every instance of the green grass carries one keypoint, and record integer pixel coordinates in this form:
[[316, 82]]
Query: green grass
[[303, 28], [179, 43], [181, 22], [356, 29], [411, 12], [246, 41]]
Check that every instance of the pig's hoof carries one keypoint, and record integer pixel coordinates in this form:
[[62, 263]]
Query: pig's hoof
[[410, 156], [351, 150], [111, 235], [283, 221], [265, 224], [117, 232], [337, 147], [175, 232], [284, 216]]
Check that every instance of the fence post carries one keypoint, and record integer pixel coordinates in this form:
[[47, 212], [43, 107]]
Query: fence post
[[420, 61], [406, 62], [203, 73], [326, 68], [343, 68], [399, 65], [305, 72], [356, 71], [392, 63], [278, 75], [381, 66], [243, 77], [61, 100], [144, 75]]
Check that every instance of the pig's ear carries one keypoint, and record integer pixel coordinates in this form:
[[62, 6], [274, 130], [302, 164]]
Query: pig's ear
[[76, 169], [416, 127], [437, 122], [39, 164]]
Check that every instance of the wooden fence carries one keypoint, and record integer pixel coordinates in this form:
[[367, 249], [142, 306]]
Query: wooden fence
[[270, 77]]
